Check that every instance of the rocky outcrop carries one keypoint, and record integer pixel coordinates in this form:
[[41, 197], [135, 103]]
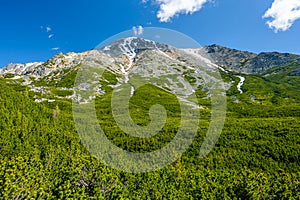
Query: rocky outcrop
[[264, 61], [247, 62], [230, 59]]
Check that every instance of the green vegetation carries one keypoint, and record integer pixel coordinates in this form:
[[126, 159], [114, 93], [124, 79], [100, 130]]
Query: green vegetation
[[187, 75], [57, 80], [9, 75], [62, 93], [256, 157]]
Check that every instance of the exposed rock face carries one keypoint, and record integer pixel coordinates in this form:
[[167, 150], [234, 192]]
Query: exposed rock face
[[58, 63], [182, 71], [247, 62], [129, 50], [130, 60], [230, 59], [20, 69], [296, 73], [265, 61], [132, 45]]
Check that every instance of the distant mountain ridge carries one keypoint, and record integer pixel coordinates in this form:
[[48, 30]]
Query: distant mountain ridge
[[227, 58], [247, 62]]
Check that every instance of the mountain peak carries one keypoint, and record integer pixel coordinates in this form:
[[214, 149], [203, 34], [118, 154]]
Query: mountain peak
[[131, 46], [135, 51]]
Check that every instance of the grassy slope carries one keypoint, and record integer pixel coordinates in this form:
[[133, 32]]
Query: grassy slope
[[257, 156]]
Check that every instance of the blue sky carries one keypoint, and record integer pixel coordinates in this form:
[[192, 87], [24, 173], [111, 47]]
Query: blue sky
[[35, 30]]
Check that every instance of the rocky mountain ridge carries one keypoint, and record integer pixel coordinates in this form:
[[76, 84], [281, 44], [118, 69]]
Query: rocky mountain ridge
[[227, 58], [247, 62], [129, 60]]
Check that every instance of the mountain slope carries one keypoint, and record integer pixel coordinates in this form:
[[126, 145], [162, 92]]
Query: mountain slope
[[246, 62], [167, 67], [42, 157], [130, 48]]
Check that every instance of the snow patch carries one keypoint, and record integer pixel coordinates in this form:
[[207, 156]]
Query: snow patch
[[129, 51], [241, 83], [16, 77], [107, 48], [44, 99], [132, 89]]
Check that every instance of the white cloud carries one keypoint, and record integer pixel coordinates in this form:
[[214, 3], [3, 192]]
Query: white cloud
[[55, 49], [48, 29], [50, 36], [138, 30], [171, 8], [284, 14]]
